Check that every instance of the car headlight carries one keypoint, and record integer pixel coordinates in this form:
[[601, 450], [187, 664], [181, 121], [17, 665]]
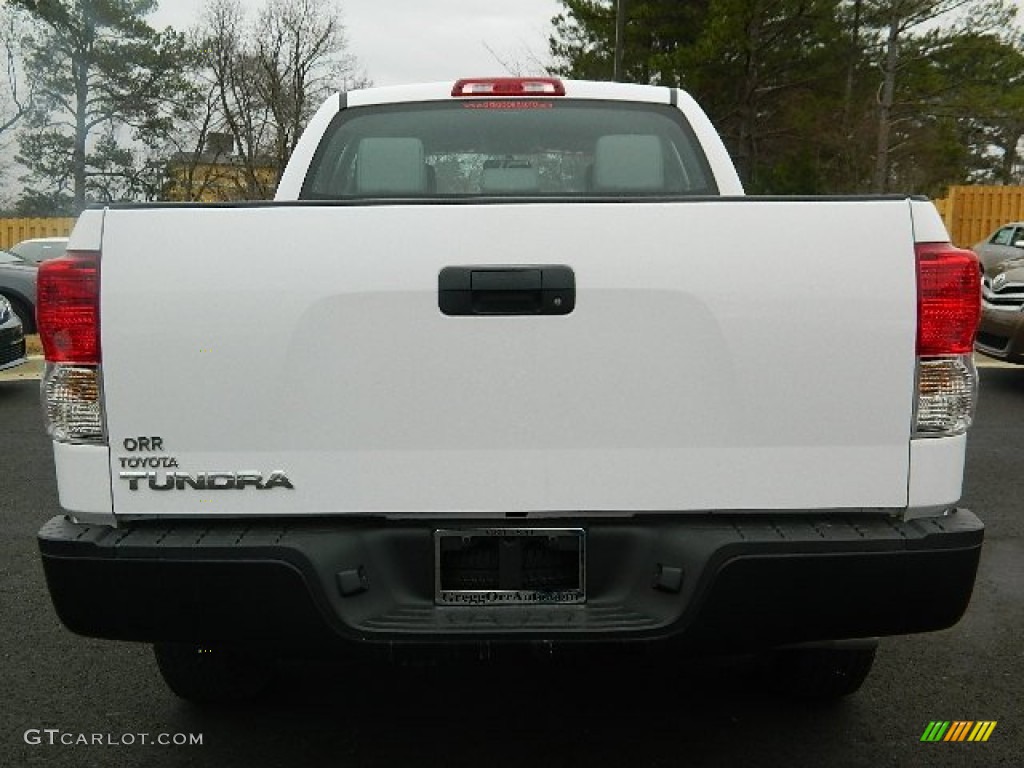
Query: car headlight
[[5, 310]]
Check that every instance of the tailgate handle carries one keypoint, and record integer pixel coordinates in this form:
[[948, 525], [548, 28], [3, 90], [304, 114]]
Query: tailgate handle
[[519, 290]]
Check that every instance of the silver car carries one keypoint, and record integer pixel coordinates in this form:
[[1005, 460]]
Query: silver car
[[1001, 333], [18, 286], [40, 248], [12, 337], [1007, 242]]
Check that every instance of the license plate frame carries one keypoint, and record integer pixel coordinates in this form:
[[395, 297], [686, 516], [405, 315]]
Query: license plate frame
[[569, 546]]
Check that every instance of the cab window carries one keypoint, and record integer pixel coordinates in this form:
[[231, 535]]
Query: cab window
[[530, 148]]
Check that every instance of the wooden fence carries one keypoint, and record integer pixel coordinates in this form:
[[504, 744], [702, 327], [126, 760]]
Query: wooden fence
[[15, 230], [973, 213]]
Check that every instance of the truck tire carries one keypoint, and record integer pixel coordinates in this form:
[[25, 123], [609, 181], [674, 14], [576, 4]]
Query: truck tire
[[820, 673], [209, 675]]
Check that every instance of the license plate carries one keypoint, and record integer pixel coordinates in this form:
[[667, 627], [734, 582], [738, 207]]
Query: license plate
[[510, 566]]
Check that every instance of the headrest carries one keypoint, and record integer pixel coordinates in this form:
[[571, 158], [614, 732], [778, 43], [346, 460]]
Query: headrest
[[629, 162], [391, 167]]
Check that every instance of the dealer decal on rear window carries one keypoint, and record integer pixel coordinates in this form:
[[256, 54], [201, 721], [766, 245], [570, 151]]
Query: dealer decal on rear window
[[508, 105]]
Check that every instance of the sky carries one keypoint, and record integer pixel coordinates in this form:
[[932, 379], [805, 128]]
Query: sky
[[415, 41]]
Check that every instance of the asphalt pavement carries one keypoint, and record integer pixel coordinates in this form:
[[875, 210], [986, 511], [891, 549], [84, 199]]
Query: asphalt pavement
[[62, 694]]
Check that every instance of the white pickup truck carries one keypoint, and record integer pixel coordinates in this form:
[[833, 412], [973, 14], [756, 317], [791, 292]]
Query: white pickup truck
[[510, 361]]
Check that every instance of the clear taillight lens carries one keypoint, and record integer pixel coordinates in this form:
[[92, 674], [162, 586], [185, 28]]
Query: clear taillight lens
[[73, 405], [947, 390]]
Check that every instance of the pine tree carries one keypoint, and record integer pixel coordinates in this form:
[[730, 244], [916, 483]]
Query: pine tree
[[104, 73]]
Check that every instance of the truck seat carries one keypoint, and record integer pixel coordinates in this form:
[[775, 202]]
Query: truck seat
[[628, 162], [391, 167]]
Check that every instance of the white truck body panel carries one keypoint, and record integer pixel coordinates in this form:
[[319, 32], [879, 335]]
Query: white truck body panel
[[936, 474], [344, 374], [928, 226], [295, 173], [83, 480]]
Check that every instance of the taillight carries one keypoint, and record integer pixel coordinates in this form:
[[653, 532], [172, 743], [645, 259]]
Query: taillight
[[68, 308], [948, 311], [948, 299], [509, 86], [68, 318]]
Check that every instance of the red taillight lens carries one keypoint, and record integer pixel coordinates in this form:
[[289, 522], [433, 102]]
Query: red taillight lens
[[948, 299], [509, 86], [68, 308]]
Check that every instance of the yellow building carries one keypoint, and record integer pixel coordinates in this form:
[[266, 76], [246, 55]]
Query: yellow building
[[218, 175]]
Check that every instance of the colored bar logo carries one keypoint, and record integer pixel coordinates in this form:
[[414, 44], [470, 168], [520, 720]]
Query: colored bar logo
[[958, 730]]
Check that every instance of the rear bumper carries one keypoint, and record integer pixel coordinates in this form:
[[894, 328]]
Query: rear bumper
[[1001, 335], [747, 582]]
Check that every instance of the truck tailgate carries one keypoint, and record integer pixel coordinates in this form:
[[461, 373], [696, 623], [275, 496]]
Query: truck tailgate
[[730, 354]]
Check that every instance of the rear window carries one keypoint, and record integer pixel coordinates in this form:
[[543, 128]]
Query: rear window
[[521, 148]]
